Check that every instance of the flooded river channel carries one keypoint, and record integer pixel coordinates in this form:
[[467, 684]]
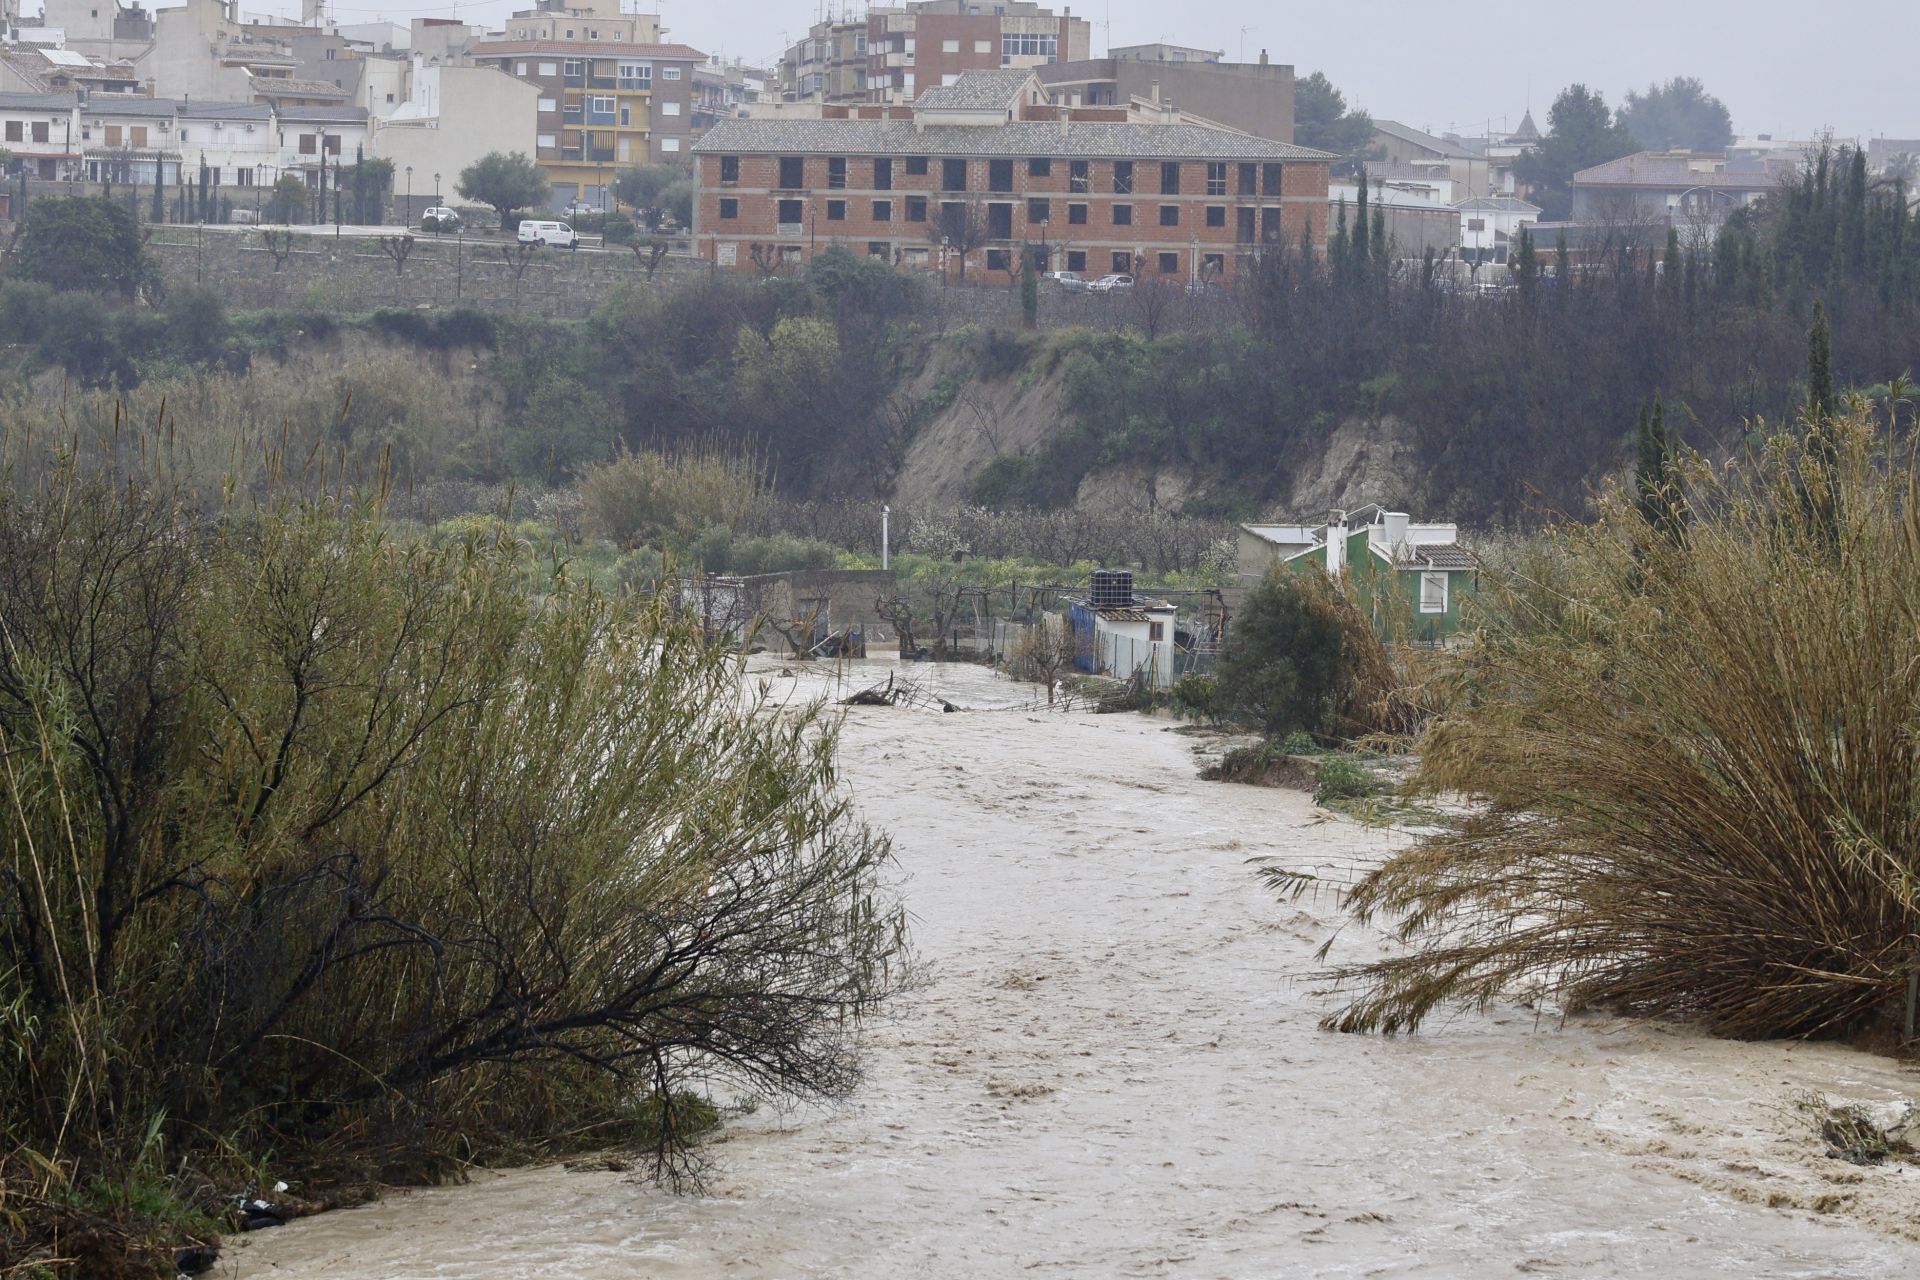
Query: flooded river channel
[[1113, 1068]]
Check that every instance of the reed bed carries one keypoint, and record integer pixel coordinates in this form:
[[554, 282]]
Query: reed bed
[[1694, 733]]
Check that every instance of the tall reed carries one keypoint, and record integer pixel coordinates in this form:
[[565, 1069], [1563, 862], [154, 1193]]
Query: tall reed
[[1696, 745]]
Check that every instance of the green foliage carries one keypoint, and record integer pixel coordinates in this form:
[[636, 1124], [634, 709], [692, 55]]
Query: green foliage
[[1342, 777], [288, 203], [1679, 115], [507, 182], [1581, 132], [1820, 397], [657, 192], [1300, 743], [1284, 663], [197, 320], [651, 499], [82, 242], [1322, 119], [1195, 697], [388, 850]]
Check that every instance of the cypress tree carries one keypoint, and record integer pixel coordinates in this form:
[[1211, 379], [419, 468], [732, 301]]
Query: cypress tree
[[1820, 400], [1360, 222], [159, 211], [1380, 234], [1029, 289]]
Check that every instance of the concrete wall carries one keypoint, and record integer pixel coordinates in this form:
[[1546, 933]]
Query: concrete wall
[[350, 275]]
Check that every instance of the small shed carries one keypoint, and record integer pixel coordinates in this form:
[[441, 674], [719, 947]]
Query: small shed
[[1123, 634]]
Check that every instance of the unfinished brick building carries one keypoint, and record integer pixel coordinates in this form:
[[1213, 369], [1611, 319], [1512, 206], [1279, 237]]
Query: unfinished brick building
[[972, 171]]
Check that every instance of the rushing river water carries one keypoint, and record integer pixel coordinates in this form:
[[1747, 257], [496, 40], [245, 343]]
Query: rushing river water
[[1113, 1068]]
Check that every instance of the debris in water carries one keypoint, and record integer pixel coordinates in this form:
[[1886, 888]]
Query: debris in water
[[897, 693]]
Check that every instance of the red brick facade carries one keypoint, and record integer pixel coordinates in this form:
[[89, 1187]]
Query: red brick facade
[[1182, 219]]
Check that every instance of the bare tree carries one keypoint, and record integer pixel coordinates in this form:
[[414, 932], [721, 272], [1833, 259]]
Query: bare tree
[[651, 252], [1049, 647], [518, 258], [960, 229], [399, 248]]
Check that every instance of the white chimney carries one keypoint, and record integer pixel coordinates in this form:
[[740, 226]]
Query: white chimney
[[1336, 542], [1395, 529]]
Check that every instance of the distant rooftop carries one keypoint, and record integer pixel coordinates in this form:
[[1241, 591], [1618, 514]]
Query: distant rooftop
[[975, 91], [1419, 138], [1090, 139]]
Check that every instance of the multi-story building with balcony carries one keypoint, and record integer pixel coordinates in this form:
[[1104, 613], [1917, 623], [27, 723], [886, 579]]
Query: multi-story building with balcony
[[603, 106], [895, 52], [974, 172]]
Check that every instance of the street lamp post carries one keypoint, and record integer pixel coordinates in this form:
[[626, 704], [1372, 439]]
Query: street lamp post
[[409, 218], [437, 205]]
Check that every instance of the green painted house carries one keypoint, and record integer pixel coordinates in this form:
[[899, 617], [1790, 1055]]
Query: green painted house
[[1412, 578]]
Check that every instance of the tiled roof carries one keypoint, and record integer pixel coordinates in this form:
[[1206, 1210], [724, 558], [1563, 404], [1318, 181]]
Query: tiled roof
[[273, 87], [1496, 204], [101, 104], [1407, 133], [219, 110], [1665, 169], [975, 90], [36, 101], [1442, 555], [605, 48], [357, 115], [1021, 138]]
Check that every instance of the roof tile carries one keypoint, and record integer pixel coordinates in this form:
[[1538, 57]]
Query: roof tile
[[1020, 138]]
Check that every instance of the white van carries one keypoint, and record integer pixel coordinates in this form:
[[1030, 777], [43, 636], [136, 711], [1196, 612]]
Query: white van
[[557, 234]]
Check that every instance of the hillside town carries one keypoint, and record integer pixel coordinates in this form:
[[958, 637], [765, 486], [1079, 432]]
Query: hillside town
[[947, 136]]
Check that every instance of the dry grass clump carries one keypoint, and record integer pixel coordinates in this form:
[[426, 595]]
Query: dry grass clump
[[1697, 743], [647, 498]]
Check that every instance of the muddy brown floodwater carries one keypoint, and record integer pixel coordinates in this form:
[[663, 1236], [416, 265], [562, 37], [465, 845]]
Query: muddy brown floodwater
[[1113, 1068]]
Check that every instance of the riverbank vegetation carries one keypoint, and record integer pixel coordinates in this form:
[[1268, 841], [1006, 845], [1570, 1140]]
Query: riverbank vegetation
[[1692, 725], [336, 855]]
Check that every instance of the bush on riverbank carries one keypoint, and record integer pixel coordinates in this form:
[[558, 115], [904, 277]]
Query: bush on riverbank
[[1696, 744], [374, 857]]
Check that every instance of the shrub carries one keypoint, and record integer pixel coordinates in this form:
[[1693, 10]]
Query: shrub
[[197, 322], [482, 858], [1298, 743], [1697, 759], [1341, 777], [1285, 662], [641, 498], [1195, 697], [76, 335], [23, 308], [81, 242]]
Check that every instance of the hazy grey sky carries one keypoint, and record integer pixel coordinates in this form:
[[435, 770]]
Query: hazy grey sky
[[1785, 69]]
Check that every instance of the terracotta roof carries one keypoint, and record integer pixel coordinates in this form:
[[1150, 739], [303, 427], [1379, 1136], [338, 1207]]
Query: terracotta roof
[[605, 48], [1020, 138]]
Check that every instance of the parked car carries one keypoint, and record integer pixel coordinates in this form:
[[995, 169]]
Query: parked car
[[440, 218], [577, 209], [1071, 281], [1111, 284], [557, 234]]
